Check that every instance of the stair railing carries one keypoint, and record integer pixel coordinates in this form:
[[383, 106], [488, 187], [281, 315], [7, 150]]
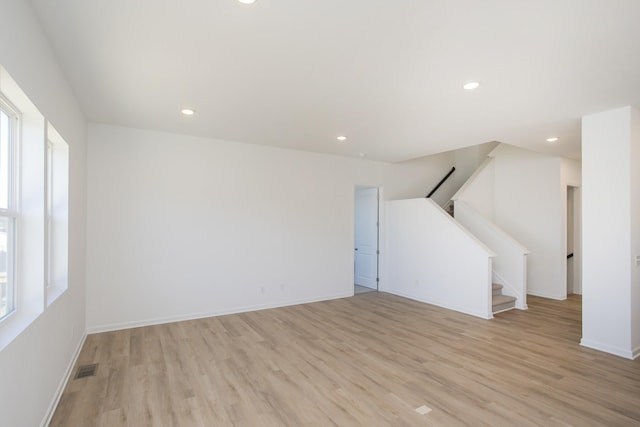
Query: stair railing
[[453, 169]]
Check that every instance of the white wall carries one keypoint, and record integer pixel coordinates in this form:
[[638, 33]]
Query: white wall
[[415, 178], [524, 193], [34, 365], [529, 205], [634, 160], [431, 258], [181, 227], [466, 161], [611, 231], [571, 172], [510, 263], [479, 191]]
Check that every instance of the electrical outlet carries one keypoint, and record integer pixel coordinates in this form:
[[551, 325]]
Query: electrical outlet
[[637, 260], [262, 289]]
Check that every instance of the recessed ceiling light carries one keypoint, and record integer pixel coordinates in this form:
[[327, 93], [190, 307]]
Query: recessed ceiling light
[[342, 138], [247, 1], [362, 154], [552, 139], [471, 85], [188, 112]]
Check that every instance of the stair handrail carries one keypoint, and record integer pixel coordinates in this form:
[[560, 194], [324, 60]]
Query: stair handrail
[[453, 169]]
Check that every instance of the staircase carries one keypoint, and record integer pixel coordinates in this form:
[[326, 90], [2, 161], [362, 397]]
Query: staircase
[[501, 302]]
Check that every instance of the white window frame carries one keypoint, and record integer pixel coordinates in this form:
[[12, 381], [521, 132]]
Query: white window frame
[[38, 209], [11, 211], [49, 213], [28, 198]]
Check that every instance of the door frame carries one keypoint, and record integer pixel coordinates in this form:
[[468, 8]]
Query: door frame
[[576, 223], [380, 234]]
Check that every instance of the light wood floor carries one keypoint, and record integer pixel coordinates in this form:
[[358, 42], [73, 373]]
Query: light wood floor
[[370, 360], [357, 289]]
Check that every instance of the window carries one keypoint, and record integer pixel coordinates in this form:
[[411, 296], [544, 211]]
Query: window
[[8, 139], [49, 225], [23, 222], [34, 211]]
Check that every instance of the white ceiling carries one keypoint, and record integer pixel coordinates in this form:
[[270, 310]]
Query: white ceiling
[[386, 73]]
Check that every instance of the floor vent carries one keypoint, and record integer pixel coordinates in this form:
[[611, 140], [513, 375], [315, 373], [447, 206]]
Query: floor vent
[[86, 371]]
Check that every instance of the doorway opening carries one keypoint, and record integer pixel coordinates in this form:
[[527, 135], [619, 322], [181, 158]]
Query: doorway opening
[[574, 241], [366, 240]]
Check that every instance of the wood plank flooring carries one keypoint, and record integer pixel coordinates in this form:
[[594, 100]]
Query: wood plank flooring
[[370, 360]]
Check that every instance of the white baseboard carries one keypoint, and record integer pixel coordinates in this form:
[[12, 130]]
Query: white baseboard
[[63, 383], [549, 296], [627, 354], [214, 313]]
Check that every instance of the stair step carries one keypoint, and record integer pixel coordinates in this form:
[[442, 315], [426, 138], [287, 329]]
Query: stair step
[[496, 289], [503, 302]]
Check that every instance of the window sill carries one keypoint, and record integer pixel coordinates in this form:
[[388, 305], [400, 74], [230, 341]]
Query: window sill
[[54, 292], [14, 324]]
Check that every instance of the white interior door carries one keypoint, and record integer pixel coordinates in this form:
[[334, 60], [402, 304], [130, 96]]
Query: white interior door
[[366, 237]]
